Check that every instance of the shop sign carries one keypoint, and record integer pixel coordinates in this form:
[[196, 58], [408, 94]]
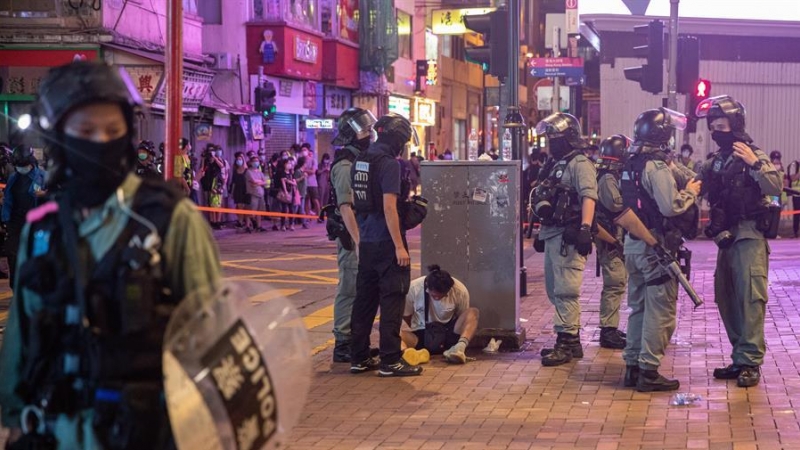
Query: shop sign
[[257, 126], [425, 112], [305, 50], [319, 124], [451, 21], [336, 101], [310, 95], [21, 80], [195, 88], [400, 105], [146, 79], [203, 132], [432, 75]]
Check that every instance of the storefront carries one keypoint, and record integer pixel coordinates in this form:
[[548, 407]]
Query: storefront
[[294, 100], [424, 119]]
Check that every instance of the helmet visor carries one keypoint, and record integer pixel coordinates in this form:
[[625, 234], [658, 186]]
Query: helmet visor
[[725, 103], [676, 119], [362, 124], [553, 125]]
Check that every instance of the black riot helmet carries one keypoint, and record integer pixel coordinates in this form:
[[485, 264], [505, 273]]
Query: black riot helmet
[[562, 125], [23, 156], [77, 84], [613, 152], [654, 127], [722, 106], [354, 127], [395, 130]]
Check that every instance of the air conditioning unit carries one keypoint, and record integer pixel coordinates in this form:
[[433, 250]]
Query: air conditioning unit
[[222, 61]]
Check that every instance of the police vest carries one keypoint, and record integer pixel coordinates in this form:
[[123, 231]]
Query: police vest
[[732, 188], [563, 198], [347, 153], [126, 307], [367, 194], [605, 216]]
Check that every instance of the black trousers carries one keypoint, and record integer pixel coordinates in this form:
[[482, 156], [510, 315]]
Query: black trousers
[[796, 216], [380, 282]]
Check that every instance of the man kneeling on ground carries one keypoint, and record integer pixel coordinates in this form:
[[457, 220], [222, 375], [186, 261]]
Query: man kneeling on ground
[[438, 314]]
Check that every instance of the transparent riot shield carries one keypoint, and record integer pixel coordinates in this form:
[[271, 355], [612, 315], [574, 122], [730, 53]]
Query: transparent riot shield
[[236, 375]]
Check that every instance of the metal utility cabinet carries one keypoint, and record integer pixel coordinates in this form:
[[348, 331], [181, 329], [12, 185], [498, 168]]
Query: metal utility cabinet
[[472, 231]]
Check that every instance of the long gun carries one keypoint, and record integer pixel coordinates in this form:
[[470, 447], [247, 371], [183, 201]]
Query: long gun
[[631, 223]]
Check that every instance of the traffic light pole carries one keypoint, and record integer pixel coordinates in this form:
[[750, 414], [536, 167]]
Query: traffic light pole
[[516, 124], [174, 80], [672, 79]]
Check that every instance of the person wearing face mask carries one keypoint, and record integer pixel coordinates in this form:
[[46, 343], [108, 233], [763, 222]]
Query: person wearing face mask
[[210, 181], [255, 189], [23, 192], [650, 190], [739, 180], [101, 266], [144, 161], [686, 157], [238, 188], [568, 179]]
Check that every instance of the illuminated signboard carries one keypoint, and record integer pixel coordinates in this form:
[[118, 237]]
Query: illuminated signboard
[[451, 21], [319, 124], [425, 112], [432, 75], [400, 106]]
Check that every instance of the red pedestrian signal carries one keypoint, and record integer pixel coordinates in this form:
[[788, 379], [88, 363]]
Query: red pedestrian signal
[[703, 87], [701, 92]]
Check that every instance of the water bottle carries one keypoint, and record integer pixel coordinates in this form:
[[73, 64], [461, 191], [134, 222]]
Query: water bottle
[[685, 399], [472, 152], [507, 145]]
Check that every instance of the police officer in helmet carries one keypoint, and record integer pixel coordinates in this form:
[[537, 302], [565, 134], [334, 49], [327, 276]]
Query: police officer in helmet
[[145, 160], [612, 156], [739, 179], [564, 201], [384, 266], [649, 188], [100, 269], [354, 136]]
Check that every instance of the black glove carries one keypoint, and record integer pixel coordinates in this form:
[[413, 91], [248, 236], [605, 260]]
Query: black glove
[[583, 240]]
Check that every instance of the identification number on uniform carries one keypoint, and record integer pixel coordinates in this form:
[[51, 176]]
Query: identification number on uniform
[[362, 166]]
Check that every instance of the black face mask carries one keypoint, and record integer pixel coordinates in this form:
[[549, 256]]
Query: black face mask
[[724, 139], [95, 170], [559, 147]]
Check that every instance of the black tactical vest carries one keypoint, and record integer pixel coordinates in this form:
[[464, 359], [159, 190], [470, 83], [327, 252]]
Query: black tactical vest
[[603, 215], [732, 188], [367, 194], [563, 198], [126, 308], [635, 196]]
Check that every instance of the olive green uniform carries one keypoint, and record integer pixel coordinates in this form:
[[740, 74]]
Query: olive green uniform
[[563, 273], [652, 293], [347, 260], [612, 263]]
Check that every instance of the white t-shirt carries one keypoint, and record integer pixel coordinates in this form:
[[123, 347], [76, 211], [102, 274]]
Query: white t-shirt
[[455, 303]]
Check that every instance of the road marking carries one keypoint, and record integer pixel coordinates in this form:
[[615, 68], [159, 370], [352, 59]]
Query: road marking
[[318, 317], [3, 316], [273, 294], [321, 348]]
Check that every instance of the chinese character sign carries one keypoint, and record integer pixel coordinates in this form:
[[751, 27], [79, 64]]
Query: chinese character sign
[[146, 79]]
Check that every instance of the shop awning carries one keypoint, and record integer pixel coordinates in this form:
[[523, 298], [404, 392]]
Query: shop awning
[[158, 57]]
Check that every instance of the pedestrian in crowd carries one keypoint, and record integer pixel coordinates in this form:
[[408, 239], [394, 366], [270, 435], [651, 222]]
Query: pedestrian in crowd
[[324, 179], [255, 190], [145, 156], [738, 181], [83, 351], [354, 130], [288, 187], [274, 187], [211, 182], [23, 192], [238, 189], [611, 158], [301, 180], [567, 237], [384, 266], [439, 317], [650, 190], [182, 169], [224, 178], [686, 158], [312, 203], [793, 178]]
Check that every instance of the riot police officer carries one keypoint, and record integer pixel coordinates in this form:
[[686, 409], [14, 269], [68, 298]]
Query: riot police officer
[[100, 269], [564, 201], [613, 153], [384, 266], [649, 188], [739, 179], [145, 157], [354, 135]]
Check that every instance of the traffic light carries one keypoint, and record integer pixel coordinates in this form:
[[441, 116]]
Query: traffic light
[[494, 53], [700, 92], [651, 75], [688, 70], [265, 100]]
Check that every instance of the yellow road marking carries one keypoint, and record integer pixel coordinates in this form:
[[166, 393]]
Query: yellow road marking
[[318, 317], [273, 294], [267, 280], [287, 273], [3, 316], [321, 348]]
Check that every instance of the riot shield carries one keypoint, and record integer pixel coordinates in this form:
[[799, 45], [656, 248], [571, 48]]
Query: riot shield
[[236, 375]]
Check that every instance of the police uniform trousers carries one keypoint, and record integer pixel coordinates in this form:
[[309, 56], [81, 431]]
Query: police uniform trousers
[[652, 297], [740, 291], [345, 292], [380, 282], [615, 278], [563, 276]]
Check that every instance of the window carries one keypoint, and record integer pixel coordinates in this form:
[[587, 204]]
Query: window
[[326, 9], [304, 13], [190, 7], [403, 34], [28, 9], [211, 12], [447, 45]]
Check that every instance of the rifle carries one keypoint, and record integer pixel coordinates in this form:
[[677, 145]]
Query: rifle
[[631, 223]]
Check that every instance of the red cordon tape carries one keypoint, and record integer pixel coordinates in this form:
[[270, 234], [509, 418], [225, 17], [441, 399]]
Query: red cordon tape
[[255, 213]]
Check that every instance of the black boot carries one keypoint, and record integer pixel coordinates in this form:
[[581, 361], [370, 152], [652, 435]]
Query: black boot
[[729, 372], [749, 377], [631, 376], [652, 381], [575, 348], [611, 337], [341, 352], [564, 350]]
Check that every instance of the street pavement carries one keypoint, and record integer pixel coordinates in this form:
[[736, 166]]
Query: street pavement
[[508, 400]]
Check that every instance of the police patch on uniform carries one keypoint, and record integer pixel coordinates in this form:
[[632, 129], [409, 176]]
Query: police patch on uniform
[[41, 243], [362, 166], [559, 173], [717, 165], [660, 164]]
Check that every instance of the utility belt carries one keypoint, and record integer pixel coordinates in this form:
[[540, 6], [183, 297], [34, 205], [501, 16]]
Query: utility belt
[[767, 221], [129, 416]]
